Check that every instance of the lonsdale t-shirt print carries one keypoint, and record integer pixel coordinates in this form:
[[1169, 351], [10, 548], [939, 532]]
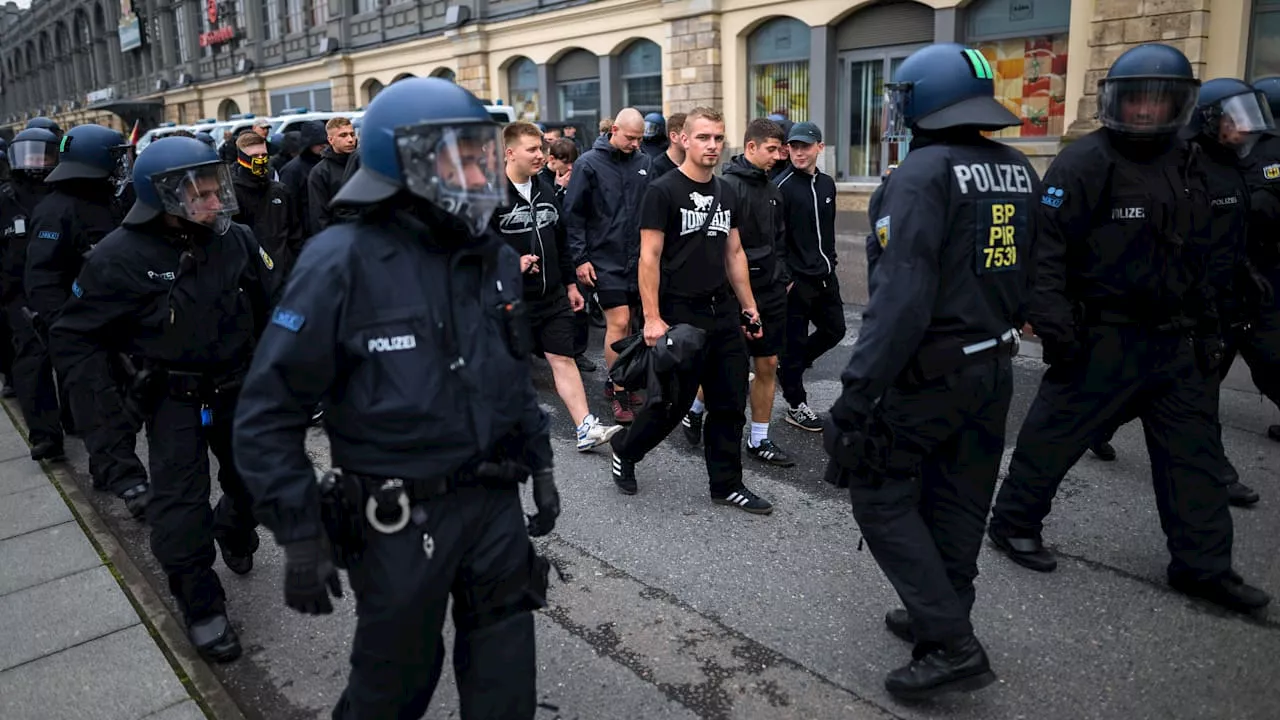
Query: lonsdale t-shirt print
[[678, 206]]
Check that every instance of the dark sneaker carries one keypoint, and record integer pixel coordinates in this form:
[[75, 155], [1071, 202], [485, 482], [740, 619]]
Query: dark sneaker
[[1104, 451], [803, 417], [618, 402], [768, 453], [136, 499], [238, 560], [215, 639], [692, 427], [48, 450], [584, 364], [1029, 552], [624, 475], [744, 499], [1242, 495], [1273, 432], [899, 623], [1229, 591], [958, 666]]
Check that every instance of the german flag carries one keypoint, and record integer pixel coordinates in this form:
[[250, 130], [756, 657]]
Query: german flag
[[135, 133]]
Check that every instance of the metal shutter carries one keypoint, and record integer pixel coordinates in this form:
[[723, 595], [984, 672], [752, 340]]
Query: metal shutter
[[897, 23]]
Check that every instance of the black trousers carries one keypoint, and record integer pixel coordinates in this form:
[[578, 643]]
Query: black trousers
[[7, 349], [1260, 347], [183, 525], [480, 555], [1130, 372], [723, 377], [110, 437], [33, 379], [923, 520], [811, 300]]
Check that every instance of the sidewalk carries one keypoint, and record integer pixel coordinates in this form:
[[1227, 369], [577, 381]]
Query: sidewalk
[[72, 644]]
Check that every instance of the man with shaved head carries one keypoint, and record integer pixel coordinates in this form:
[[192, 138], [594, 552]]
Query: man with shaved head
[[602, 206]]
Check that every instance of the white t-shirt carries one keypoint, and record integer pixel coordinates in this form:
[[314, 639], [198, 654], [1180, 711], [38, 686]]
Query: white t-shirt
[[525, 189]]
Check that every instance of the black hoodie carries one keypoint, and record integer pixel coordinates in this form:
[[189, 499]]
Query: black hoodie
[[267, 208], [761, 222], [534, 227], [322, 184], [297, 171]]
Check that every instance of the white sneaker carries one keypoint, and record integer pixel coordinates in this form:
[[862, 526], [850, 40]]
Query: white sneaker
[[591, 434]]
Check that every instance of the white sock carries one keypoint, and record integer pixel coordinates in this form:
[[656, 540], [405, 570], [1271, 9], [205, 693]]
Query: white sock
[[759, 432], [697, 407]]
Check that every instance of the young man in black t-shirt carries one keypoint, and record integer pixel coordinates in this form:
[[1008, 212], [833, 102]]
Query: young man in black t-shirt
[[693, 270]]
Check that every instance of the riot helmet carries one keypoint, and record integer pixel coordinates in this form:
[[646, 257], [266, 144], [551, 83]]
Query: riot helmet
[[184, 178], [34, 151], [1232, 114], [1150, 91], [91, 152], [205, 138], [655, 127], [1270, 88], [943, 86], [45, 123], [434, 140]]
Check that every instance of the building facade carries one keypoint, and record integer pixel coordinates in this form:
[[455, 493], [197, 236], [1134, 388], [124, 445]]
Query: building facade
[[819, 60]]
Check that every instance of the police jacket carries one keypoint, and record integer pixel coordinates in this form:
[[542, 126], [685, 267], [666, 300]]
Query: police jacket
[[160, 296], [18, 198], [761, 222], [408, 341], [874, 248], [64, 227], [1229, 204], [602, 211], [1120, 237], [1262, 173], [294, 176], [957, 227], [268, 209], [534, 227], [323, 183], [810, 204]]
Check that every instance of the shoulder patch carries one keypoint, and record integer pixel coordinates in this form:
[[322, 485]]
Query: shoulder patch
[[1053, 196], [1271, 172], [266, 259], [49, 235], [882, 231], [76, 289], [288, 319]]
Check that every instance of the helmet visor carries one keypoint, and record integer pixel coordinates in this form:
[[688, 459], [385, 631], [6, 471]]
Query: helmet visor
[[1146, 106], [33, 155], [652, 129], [202, 194], [1241, 120], [894, 113], [456, 167]]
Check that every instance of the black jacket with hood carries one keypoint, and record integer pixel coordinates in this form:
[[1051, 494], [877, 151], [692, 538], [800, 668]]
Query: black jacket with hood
[[810, 203], [761, 222], [267, 208], [536, 227], [602, 212], [322, 184], [297, 171]]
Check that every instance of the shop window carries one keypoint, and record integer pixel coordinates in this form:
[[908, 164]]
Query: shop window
[[522, 85], [1031, 81], [641, 75], [778, 60], [1264, 47]]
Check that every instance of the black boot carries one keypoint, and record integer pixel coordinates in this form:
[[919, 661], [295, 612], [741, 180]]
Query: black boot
[[1273, 432], [1242, 495], [237, 560], [899, 623], [215, 639], [958, 665], [136, 499], [1229, 591], [48, 450], [1104, 451], [1029, 552]]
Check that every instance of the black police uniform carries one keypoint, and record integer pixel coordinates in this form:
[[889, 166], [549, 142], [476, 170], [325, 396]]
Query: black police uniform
[[1122, 278], [762, 228], [810, 203], [267, 208], [186, 309], [405, 336], [31, 373], [65, 227], [1260, 344], [957, 229]]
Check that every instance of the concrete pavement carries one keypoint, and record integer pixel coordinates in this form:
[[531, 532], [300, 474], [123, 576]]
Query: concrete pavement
[[72, 643]]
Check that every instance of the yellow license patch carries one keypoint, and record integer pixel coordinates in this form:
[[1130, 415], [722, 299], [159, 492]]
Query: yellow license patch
[[882, 231], [1271, 172], [266, 259]]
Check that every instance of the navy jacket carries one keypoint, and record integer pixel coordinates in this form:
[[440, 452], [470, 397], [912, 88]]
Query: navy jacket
[[602, 212]]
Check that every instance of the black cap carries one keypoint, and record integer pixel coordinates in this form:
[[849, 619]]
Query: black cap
[[805, 132]]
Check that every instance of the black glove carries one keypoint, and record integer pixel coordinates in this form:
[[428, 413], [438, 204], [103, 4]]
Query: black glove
[[547, 499], [1062, 351], [309, 577], [1263, 293]]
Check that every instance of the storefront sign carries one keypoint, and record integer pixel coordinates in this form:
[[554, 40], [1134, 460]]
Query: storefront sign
[[1021, 10], [130, 30], [102, 95], [218, 35]]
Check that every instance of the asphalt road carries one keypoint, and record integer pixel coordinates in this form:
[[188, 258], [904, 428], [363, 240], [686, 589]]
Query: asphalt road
[[677, 608]]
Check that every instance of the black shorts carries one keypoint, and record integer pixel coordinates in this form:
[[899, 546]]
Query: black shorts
[[771, 303], [551, 320], [610, 299]]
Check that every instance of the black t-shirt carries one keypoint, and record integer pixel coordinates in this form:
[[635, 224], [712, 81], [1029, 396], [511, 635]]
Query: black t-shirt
[[659, 166], [678, 207]]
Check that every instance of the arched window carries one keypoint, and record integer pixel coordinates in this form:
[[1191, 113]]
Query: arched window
[[371, 90], [522, 85], [640, 67], [578, 86], [778, 56], [445, 74], [227, 108], [402, 76]]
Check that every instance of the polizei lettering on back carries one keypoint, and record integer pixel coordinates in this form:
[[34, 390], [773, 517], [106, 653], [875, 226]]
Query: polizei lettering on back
[[391, 344], [993, 177]]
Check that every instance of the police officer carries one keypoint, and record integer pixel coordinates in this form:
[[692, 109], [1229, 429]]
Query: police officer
[[918, 431], [81, 210], [407, 322], [1122, 282], [32, 154], [655, 139], [45, 123], [182, 292], [1260, 346]]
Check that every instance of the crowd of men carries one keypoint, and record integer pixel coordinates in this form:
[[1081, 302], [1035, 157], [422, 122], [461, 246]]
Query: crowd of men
[[391, 285]]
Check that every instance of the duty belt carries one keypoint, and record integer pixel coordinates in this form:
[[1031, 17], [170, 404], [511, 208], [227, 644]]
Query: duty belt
[[1100, 316], [940, 357], [391, 502]]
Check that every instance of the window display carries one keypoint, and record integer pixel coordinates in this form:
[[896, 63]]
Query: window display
[[1031, 81]]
